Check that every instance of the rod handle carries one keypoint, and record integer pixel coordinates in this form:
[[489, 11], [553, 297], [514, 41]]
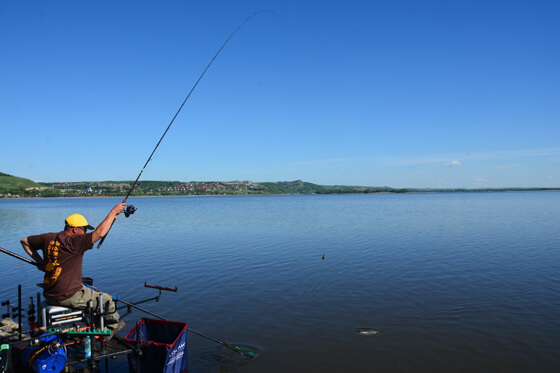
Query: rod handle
[[103, 238]]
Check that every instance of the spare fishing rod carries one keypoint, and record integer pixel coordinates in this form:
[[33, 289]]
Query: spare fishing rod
[[131, 211]]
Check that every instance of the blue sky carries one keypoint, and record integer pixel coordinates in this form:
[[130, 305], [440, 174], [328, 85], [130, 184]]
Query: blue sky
[[379, 93]]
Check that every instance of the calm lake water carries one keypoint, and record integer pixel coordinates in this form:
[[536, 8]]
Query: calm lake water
[[458, 282]]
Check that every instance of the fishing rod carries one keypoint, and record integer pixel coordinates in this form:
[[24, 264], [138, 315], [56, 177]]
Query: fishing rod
[[18, 256], [233, 348], [176, 114]]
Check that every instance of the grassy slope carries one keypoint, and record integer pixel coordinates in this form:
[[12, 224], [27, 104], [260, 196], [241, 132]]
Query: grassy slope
[[14, 182], [289, 187]]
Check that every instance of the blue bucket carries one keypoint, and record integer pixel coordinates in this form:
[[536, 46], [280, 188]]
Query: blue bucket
[[48, 356]]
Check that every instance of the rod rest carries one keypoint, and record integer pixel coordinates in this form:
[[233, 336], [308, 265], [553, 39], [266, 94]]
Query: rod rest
[[75, 331]]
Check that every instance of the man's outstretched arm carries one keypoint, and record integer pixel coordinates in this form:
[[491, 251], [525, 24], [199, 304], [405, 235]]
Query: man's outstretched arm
[[103, 228]]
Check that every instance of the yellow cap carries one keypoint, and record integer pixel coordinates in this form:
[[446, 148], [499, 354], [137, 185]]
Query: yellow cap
[[77, 220]]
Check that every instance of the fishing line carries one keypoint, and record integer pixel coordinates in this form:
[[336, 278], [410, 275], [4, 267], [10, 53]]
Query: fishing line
[[181, 107]]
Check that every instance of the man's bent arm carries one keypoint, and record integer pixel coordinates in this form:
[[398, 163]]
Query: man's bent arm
[[103, 228], [32, 253]]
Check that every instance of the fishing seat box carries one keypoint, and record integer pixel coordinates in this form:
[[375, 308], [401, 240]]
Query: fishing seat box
[[64, 317], [163, 344], [60, 317]]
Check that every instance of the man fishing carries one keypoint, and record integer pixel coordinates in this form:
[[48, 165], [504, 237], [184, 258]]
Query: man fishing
[[61, 260]]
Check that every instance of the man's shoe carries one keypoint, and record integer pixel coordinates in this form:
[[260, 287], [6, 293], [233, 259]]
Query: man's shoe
[[119, 327]]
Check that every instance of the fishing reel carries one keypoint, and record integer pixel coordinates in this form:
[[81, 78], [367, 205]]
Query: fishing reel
[[129, 210]]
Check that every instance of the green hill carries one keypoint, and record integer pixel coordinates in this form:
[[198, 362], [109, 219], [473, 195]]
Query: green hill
[[303, 187], [15, 185], [290, 187]]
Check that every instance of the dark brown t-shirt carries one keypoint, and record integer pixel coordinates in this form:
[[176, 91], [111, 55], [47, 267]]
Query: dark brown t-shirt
[[64, 255]]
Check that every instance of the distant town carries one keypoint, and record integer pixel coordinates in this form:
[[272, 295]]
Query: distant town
[[147, 188]]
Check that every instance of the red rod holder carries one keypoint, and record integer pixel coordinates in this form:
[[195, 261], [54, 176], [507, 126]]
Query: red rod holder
[[159, 287]]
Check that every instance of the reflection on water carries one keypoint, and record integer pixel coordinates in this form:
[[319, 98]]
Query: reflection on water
[[459, 282], [222, 359]]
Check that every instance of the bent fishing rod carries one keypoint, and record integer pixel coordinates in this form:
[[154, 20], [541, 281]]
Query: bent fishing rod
[[131, 211], [233, 348]]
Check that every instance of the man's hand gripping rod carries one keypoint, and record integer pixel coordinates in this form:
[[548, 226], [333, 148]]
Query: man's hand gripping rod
[[127, 212]]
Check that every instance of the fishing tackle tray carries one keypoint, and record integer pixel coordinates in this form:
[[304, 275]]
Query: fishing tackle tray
[[116, 346]]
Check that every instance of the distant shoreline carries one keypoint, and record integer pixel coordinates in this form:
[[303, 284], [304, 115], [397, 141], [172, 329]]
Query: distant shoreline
[[434, 191], [17, 187]]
